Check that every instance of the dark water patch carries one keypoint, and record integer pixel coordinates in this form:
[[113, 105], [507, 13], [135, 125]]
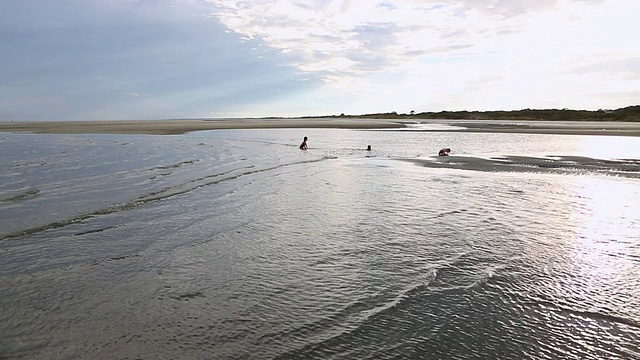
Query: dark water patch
[[27, 165], [154, 177], [116, 258], [188, 296], [28, 194], [173, 166], [453, 212], [95, 231]]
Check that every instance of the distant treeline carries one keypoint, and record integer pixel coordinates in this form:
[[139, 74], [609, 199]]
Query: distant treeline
[[630, 113]]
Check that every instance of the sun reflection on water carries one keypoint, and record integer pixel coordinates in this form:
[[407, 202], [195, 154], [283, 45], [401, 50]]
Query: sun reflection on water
[[609, 147], [605, 251]]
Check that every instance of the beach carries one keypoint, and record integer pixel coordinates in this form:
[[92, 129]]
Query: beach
[[235, 243], [173, 127]]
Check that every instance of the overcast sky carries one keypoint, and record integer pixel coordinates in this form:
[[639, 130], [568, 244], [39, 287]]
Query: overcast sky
[[150, 59]]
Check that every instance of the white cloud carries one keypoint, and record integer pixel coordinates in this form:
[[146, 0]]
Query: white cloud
[[79, 59], [444, 49]]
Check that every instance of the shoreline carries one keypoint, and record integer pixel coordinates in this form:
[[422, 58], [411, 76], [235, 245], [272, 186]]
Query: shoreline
[[176, 127]]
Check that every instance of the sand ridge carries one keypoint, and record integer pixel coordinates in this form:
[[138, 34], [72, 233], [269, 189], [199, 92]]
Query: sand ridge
[[172, 127]]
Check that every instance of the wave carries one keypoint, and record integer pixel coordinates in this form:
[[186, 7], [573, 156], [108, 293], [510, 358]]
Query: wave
[[332, 332], [173, 166], [29, 165], [95, 231], [591, 314], [453, 212], [26, 194]]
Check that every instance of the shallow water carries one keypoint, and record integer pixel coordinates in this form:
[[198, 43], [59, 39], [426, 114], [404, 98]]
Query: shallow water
[[235, 244]]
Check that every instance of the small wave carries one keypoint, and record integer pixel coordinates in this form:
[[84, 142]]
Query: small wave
[[95, 231], [453, 212], [28, 165], [159, 195], [116, 258], [187, 296], [22, 196], [173, 166]]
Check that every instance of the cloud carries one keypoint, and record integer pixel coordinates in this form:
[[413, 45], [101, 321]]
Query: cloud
[[78, 60], [192, 58], [345, 37], [363, 47], [506, 8], [620, 69], [391, 33]]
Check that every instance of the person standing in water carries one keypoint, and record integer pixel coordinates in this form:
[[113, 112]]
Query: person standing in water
[[368, 147], [303, 146], [444, 152]]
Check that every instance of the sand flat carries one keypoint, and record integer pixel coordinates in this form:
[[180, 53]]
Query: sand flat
[[553, 127], [169, 127], [606, 128]]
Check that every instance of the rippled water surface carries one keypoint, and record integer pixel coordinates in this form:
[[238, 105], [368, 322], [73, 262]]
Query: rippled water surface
[[237, 245]]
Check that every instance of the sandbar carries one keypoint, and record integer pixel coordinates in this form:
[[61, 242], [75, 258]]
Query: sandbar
[[173, 127], [555, 127], [604, 128]]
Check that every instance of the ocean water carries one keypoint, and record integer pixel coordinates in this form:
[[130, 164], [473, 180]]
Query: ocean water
[[235, 244]]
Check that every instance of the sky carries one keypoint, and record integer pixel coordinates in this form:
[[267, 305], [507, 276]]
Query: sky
[[168, 59]]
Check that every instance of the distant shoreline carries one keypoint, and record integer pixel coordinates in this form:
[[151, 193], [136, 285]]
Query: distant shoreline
[[625, 114], [175, 127]]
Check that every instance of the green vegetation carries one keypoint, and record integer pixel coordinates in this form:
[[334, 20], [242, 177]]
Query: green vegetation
[[630, 113]]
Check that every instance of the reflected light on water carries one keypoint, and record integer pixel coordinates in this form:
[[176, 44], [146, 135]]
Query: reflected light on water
[[606, 217], [609, 147]]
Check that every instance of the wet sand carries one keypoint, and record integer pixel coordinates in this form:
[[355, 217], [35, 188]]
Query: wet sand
[[565, 164], [168, 127], [552, 127], [171, 127]]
